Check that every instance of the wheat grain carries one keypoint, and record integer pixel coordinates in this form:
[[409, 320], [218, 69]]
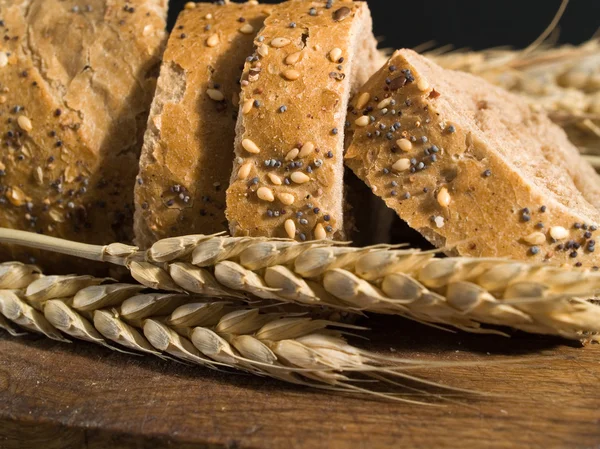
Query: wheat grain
[[467, 293], [298, 349]]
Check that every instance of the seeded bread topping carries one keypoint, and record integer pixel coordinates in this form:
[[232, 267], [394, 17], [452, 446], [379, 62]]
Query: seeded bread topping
[[471, 166], [188, 149], [76, 84], [287, 179]]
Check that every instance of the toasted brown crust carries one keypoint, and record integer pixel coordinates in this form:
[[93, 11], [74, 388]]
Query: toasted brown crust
[[492, 178], [294, 95], [188, 150], [74, 98]]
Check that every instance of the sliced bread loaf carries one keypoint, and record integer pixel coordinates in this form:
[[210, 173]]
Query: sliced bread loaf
[[287, 179], [76, 83], [188, 147], [471, 166]]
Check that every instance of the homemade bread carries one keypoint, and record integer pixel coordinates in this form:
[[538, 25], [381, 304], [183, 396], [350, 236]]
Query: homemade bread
[[188, 147], [471, 166], [76, 83], [287, 179]]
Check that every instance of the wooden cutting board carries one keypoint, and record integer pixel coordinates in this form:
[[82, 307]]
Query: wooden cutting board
[[55, 395]]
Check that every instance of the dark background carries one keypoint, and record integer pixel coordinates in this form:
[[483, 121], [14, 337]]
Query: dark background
[[475, 24]]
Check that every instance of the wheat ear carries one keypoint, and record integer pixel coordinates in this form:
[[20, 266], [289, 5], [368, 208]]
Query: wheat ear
[[292, 347], [467, 293]]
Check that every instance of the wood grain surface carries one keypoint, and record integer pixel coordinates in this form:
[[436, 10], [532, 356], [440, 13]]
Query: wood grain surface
[[55, 395]]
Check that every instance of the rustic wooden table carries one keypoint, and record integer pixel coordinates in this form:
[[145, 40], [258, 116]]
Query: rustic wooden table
[[55, 395]]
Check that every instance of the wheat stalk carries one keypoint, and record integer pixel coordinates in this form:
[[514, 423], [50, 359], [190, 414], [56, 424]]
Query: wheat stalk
[[563, 81], [471, 294], [299, 348]]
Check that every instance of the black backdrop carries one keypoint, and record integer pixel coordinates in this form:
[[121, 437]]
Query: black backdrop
[[471, 23]]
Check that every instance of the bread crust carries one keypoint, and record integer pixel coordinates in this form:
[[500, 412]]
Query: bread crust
[[188, 146], [309, 58], [477, 172], [74, 99]]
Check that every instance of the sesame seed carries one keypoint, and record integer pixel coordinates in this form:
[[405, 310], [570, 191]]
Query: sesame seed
[[319, 232], [25, 123], [282, 109], [401, 165], [307, 149], [362, 121], [247, 106], [286, 198], [534, 250], [290, 228], [577, 225], [292, 154], [451, 129], [558, 233], [250, 146], [573, 254], [291, 75], [293, 58], [487, 173], [335, 54], [275, 179], [404, 144], [384, 103], [423, 85], [587, 235], [280, 42], [439, 221], [262, 50], [247, 29], [443, 197], [535, 238], [341, 13], [543, 209], [312, 11], [265, 194], [362, 100], [213, 40], [215, 94], [299, 177], [302, 237]]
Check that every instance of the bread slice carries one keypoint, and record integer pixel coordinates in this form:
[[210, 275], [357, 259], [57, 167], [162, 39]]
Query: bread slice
[[287, 179], [76, 83], [188, 147], [471, 166]]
